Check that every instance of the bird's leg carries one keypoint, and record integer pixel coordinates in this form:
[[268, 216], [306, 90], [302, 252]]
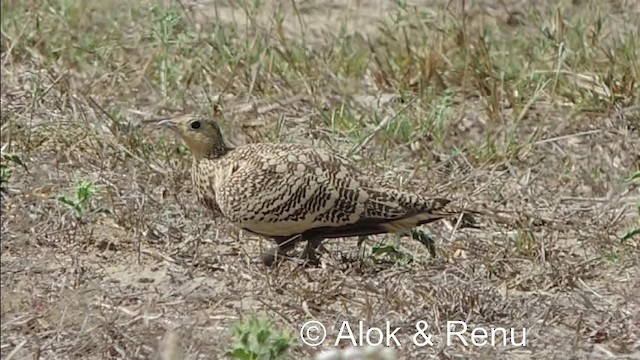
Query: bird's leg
[[361, 250], [277, 252], [424, 238], [361, 240], [310, 251]]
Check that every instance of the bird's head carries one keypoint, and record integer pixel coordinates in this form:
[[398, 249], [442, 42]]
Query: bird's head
[[202, 135]]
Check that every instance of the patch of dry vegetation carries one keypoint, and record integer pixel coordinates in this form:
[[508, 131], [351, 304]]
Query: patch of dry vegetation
[[530, 110]]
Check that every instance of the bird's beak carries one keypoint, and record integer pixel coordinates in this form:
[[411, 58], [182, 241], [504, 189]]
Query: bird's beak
[[168, 124]]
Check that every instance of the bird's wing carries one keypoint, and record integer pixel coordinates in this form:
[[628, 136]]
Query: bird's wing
[[285, 193], [292, 193]]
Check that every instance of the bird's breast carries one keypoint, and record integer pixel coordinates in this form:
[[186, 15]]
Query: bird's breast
[[203, 182]]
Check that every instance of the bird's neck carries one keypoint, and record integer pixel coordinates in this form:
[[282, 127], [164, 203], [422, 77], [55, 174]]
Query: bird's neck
[[221, 149]]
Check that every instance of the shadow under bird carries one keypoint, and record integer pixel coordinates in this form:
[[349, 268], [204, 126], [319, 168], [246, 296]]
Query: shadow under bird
[[292, 193]]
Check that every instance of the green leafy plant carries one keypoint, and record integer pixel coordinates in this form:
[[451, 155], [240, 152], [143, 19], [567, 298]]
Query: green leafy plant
[[633, 177], [80, 202], [633, 232], [393, 252], [630, 234], [256, 339]]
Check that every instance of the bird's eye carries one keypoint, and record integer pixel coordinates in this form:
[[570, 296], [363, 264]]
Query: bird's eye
[[195, 125]]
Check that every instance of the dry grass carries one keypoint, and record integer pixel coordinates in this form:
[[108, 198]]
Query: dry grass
[[529, 110]]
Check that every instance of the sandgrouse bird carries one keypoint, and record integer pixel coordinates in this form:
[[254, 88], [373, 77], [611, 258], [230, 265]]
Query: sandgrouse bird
[[293, 193]]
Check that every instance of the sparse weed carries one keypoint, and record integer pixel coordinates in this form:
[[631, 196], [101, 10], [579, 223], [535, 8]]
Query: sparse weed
[[256, 339], [391, 252], [612, 256], [6, 172], [80, 203], [630, 234], [635, 231], [5, 178], [526, 243], [633, 177]]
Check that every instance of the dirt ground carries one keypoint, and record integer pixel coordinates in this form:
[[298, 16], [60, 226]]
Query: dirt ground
[[526, 110]]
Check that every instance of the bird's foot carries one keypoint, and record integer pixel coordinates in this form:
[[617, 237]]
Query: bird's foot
[[310, 253], [466, 221], [310, 259], [269, 257], [424, 238], [278, 252]]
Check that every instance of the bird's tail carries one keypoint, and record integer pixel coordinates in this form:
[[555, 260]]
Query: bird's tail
[[469, 218], [437, 209]]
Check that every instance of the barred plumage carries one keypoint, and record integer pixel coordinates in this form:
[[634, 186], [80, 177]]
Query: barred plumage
[[292, 193]]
